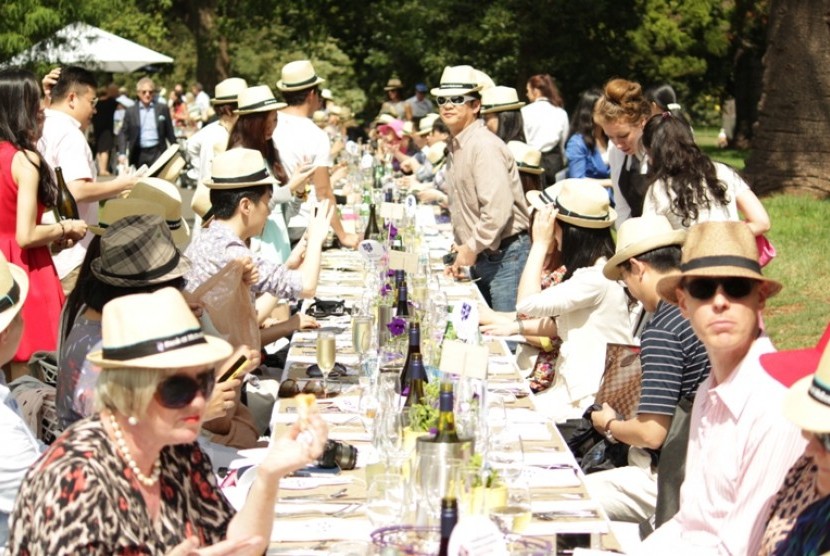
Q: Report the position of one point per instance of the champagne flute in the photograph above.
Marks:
(361, 336)
(386, 499)
(325, 357)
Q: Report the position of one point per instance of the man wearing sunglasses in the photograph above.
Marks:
(147, 127)
(487, 204)
(740, 448)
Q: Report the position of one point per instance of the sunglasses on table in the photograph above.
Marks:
(457, 101)
(705, 288)
(178, 391)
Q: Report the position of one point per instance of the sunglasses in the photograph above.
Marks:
(823, 439)
(705, 288)
(457, 101)
(178, 391)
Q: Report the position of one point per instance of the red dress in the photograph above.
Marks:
(41, 311)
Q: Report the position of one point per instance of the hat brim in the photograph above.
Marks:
(173, 169)
(667, 286)
(612, 270)
(268, 108)
(181, 235)
(210, 184)
(22, 279)
(536, 170)
(215, 349)
(805, 411)
(439, 92)
(537, 201)
(177, 272)
(162, 161)
(287, 88)
(502, 108)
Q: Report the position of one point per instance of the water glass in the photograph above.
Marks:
(386, 499)
(515, 515)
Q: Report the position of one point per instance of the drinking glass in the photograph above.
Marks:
(506, 455)
(515, 516)
(325, 357)
(386, 499)
(361, 336)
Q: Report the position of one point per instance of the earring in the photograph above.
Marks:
(133, 421)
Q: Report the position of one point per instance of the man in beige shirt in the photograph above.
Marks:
(486, 201)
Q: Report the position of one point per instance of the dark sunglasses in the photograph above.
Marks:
(823, 439)
(458, 101)
(178, 391)
(705, 288)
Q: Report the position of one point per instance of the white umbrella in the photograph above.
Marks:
(87, 46)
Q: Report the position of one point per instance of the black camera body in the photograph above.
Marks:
(338, 454)
(449, 258)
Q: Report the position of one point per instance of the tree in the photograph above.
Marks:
(791, 144)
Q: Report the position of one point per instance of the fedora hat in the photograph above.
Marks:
(14, 287)
(228, 90)
(720, 249)
(258, 98)
(136, 251)
(581, 202)
(167, 195)
(484, 80)
(297, 76)
(392, 84)
(163, 162)
(408, 128)
(499, 99)
(326, 94)
(807, 373)
(238, 168)
(118, 208)
(527, 158)
(641, 235)
(200, 203)
(426, 123)
(154, 330)
(457, 80)
(437, 152)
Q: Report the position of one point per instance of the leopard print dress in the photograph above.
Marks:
(81, 498)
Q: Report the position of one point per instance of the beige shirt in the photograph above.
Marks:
(487, 203)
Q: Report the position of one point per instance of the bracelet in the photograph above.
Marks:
(63, 231)
(607, 428)
(547, 344)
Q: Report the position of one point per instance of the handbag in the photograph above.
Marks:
(620, 386)
(544, 369)
(323, 308)
(671, 468)
(766, 251)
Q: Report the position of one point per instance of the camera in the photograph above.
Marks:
(449, 258)
(338, 454)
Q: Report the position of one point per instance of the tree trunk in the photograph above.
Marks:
(791, 143)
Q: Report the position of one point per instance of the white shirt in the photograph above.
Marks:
(545, 125)
(616, 159)
(63, 144)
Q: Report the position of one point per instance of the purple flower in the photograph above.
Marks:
(433, 431)
(396, 326)
(465, 311)
(385, 290)
(393, 231)
(390, 273)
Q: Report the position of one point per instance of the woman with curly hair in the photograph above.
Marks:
(687, 187)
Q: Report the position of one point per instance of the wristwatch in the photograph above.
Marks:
(607, 428)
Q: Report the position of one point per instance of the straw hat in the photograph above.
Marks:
(326, 94)
(116, 209)
(408, 128)
(319, 117)
(437, 152)
(581, 202)
(807, 373)
(527, 158)
(167, 195)
(385, 119)
(297, 76)
(228, 90)
(458, 80)
(721, 249)
(138, 251)
(393, 84)
(484, 80)
(14, 287)
(641, 235)
(171, 160)
(200, 203)
(258, 98)
(238, 168)
(157, 331)
(426, 123)
(499, 99)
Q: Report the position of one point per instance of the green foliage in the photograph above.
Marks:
(424, 416)
(492, 480)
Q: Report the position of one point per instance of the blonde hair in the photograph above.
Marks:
(622, 100)
(128, 390)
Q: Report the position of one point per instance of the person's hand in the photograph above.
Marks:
(465, 257)
(301, 321)
(295, 259)
(288, 452)
(500, 329)
(250, 272)
(49, 80)
(432, 195)
(190, 547)
(74, 230)
(195, 305)
(339, 172)
(222, 400)
(543, 226)
(300, 177)
(318, 227)
(349, 241)
(599, 418)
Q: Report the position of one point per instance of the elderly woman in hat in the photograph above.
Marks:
(132, 479)
(799, 521)
(574, 220)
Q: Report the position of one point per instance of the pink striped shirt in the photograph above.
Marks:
(740, 449)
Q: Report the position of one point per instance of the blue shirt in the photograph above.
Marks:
(148, 136)
(583, 163)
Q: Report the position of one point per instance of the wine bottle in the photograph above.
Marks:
(372, 230)
(417, 376)
(65, 208)
(449, 518)
(446, 417)
(414, 349)
(403, 301)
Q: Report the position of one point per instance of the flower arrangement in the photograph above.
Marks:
(396, 326)
(423, 417)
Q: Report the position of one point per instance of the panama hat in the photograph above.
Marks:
(299, 75)
(527, 158)
(408, 128)
(228, 90)
(14, 287)
(258, 98)
(807, 373)
(156, 331)
(238, 168)
(167, 195)
(168, 161)
(116, 209)
(457, 80)
(200, 203)
(137, 251)
(392, 84)
(581, 202)
(719, 249)
(484, 80)
(426, 124)
(437, 152)
(641, 235)
(499, 99)
(326, 94)
(319, 117)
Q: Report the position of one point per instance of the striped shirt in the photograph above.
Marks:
(674, 361)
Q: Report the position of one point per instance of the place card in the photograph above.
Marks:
(398, 260)
(393, 211)
(464, 359)
(371, 250)
(410, 205)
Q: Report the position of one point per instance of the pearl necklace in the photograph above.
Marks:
(128, 457)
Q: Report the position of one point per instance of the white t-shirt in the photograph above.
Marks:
(545, 125)
(63, 144)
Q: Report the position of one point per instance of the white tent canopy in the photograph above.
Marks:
(83, 45)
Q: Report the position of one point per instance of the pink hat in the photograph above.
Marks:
(395, 126)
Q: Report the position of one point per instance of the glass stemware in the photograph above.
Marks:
(325, 357)
(386, 499)
(361, 337)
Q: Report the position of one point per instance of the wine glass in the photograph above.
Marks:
(361, 336)
(506, 455)
(325, 357)
(515, 516)
(386, 499)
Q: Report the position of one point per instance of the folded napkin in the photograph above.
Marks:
(321, 529)
(545, 478)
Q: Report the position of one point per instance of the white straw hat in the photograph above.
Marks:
(581, 202)
(527, 158)
(299, 75)
(641, 235)
(258, 98)
(14, 287)
(227, 91)
(456, 81)
(118, 208)
(238, 168)
(167, 195)
(499, 99)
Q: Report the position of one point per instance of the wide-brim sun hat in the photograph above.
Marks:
(238, 168)
(166, 162)
(326, 94)
(298, 75)
(259, 98)
(14, 287)
(154, 331)
(393, 84)
(426, 124)
(395, 126)
(807, 373)
(499, 99)
(118, 208)
(718, 250)
(167, 195)
(138, 251)
(528, 159)
(437, 152)
(457, 81)
(641, 235)
(581, 202)
(227, 91)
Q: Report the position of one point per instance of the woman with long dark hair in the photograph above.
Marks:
(587, 147)
(687, 187)
(27, 188)
(500, 109)
(546, 123)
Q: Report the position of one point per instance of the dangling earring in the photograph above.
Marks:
(133, 421)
